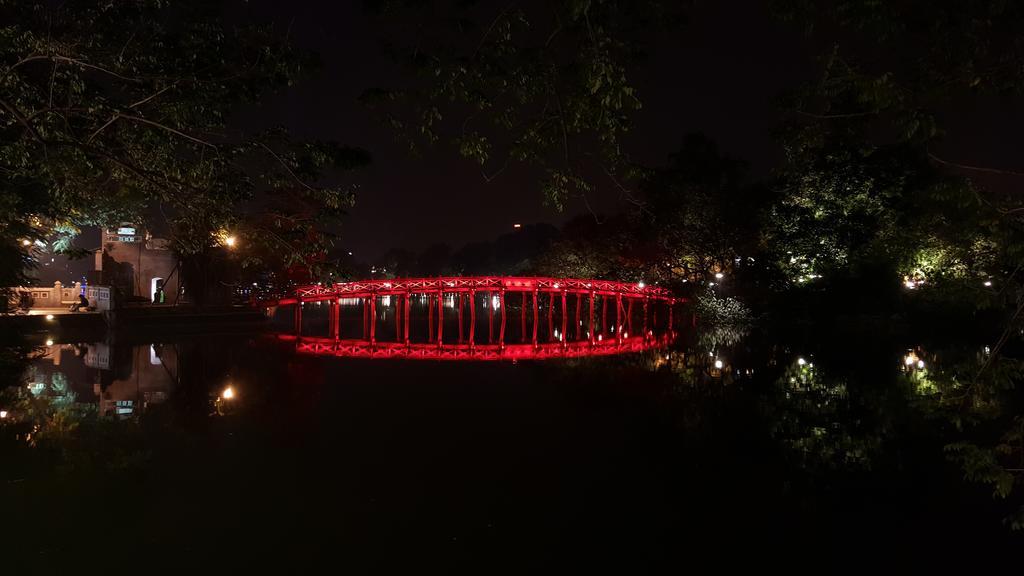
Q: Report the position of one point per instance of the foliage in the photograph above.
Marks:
(698, 214)
(544, 83)
(715, 309)
(861, 180)
(119, 111)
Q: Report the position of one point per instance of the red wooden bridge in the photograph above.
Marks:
(641, 317)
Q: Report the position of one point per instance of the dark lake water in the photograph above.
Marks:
(727, 447)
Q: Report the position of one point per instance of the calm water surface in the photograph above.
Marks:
(727, 447)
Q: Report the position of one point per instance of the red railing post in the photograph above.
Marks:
(535, 323)
(440, 317)
(590, 324)
(629, 316)
(645, 317)
(364, 317)
(472, 318)
(398, 317)
(501, 332)
(406, 323)
(335, 319)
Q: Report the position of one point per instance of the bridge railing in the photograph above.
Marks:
(458, 284)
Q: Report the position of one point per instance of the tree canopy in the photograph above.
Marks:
(120, 111)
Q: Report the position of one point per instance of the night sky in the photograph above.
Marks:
(722, 75)
(708, 79)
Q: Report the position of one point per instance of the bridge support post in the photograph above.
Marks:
(590, 323)
(536, 293)
(398, 318)
(366, 319)
(430, 318)
(335, 319)
(671, 305)
(629, 316)
(472, 318)
(298, 318)
(645, 318)
(373, 319)
(501, 332)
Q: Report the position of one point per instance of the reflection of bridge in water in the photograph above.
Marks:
(547, 318)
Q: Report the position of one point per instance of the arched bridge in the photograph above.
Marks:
(524, 317)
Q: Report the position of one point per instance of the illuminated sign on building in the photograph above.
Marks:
(123, 233)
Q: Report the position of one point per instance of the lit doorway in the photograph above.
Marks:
(153, 285)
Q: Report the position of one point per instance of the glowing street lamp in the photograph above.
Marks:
(3, 413)
(228, 393)
(26, 242)
(230, 241)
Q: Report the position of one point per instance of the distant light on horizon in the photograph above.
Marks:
(517, 225)
(988, 282)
